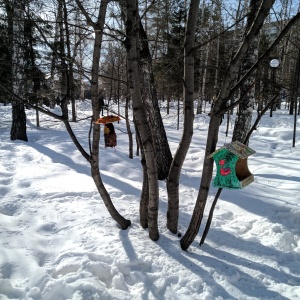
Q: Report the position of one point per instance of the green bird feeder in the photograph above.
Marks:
(232, 168)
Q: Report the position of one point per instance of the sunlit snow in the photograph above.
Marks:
(57, 240)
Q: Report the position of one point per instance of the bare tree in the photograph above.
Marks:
(149, 97)
(179, 157)
(93, 156)
(98, 27)
(132, 48)
(213, 130)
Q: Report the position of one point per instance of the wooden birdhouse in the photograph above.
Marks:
(232, 168)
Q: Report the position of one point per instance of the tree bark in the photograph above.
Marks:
(18, 127)
(130, 139)
(174, 175)
(202, 75)
(64, 82)
(131, 43)
(150, 100)
(144, 201)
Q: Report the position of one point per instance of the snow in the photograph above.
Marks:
(57, 240)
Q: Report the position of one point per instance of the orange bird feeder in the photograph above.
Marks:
(110, 137)
(107, 119)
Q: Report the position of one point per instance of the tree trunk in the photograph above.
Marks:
(18, 127)
(94, 160)
(144, 201)
(150, 100)
(64, 82)
(213, 129)
(174, 175)
(205, 65)
(132, 42)
(296, 96)
(201, 64)
(69, 72)
(130, 150)
(243, 120)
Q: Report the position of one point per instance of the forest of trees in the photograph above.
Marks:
(138, 53)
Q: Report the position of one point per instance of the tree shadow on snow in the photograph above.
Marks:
(228, 268)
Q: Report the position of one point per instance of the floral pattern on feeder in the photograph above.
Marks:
(231, 162)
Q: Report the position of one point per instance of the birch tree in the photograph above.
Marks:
(179, 157)
(213, 130)
(19, 98)
(93, 158)
(149, 97)
(147, 144)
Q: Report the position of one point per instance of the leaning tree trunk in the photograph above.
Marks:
(226, 94)
(213, 129)
(94, 159)
(18, 127)
(132, 42)
(174, 175)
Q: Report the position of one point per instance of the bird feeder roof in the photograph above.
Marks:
(107, 119)
(236, 148)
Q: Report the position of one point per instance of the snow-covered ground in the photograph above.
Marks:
(57, 241)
